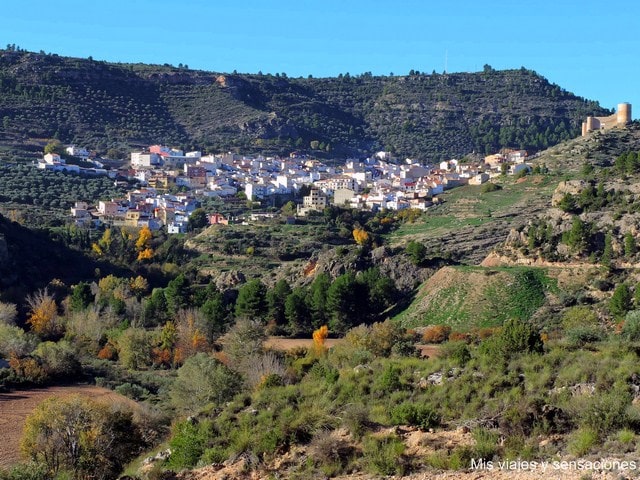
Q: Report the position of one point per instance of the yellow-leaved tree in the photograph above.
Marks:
(143, 244)
(43, 314)
(360, 236)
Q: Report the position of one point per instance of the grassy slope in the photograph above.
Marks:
(467, 227)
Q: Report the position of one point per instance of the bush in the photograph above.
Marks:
(456, 351)
(203, 380)
(188, 441)
(331, 452)
(132, 390)
(605, 413)
(490, 187)
(28, 471)
(417, 415)
(582, 441)
(384, 455)
(579, 337)
(388, 381)
(517, 337)
(436, 334)
(631, 327)
(356, 418)
(486, 446)
(620, 302)
(578, 317)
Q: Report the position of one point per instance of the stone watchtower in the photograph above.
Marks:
(619, 119)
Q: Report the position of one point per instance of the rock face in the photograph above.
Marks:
(229, 280)
(573, 187)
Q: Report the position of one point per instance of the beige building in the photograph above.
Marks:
(315, 201)
(618, 119)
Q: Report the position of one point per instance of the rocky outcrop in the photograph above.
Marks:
(229, 280)
(572, 187)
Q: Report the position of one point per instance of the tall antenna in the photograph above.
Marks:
(446, 60)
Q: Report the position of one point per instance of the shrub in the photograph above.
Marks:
(620, 302)
(457, 352)
(582, 441)
(331, 452)
(384, 455)
(578, 317)
(28, 471)
(214, 455)
(188, 441)
(356, 419)
(418, 415)
(579, 337)
(631, 327)
(132, 390)
(486, 445)
(626, 436)
(388, 381)
(436, 333)
(489, 187)
(202, 380)
(324, 372)
(606, 412)
(518, 336)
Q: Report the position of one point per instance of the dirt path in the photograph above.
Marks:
(16, 405)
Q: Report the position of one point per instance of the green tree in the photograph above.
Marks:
(134, 348)
(416, 251)
(252, 301)
(344, 303)
(54, 146)
(620, 302)
(318, 300)
(198, 219)
(577, 237)
(630, 247)
(203, 380)
(297, 313)
(177, 294)
(215, 313)
(155, 310)
(81, 297)
(276, 298)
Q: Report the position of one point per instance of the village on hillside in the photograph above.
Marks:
(169, 183)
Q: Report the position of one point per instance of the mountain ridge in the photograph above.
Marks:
(426, 116)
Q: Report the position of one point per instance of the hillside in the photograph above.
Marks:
(556, 226)
(426, 116)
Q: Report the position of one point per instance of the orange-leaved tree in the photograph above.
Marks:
(319, 337)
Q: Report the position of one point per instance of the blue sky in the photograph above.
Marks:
(588, 47)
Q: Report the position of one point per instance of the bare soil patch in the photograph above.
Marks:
(284, 344)
(17, 405)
